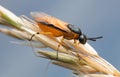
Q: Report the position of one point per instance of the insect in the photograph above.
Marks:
(58, 28)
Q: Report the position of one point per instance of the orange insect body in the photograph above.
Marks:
(66, 33)
(59, 28)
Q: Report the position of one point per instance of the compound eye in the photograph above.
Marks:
(83, 39)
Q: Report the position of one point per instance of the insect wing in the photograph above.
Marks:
(43, 17)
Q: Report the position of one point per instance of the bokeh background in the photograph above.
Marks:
(94, 17)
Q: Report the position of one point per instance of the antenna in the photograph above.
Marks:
(94, 38)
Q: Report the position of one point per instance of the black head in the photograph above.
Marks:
(82, 37)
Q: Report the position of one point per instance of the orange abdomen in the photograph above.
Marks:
(54, 31)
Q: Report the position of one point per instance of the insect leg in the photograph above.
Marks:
(45, 33)
(33, 36)
(76, 47)
(76, 43)
(60, 43)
